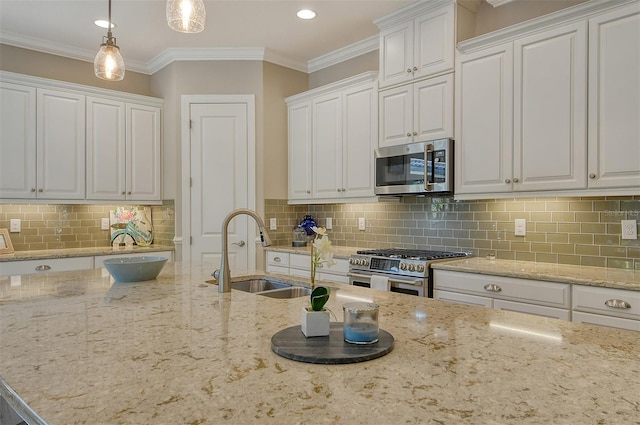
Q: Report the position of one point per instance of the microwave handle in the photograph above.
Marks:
(428, 149)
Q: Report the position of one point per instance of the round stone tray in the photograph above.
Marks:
(292, 344)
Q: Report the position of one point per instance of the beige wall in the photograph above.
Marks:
(348, 68)
(44, 65)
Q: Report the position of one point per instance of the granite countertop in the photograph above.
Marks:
(80, 252)
(338, 251)
(77, 348)
(580, 275)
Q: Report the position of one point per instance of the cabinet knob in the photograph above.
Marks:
(592, 176)
(492, 287)
(408, 70)
(40, 190)
(515, 180)
(507, 181)
(338, 189)
(613, 303)
(308, 191)
(33, 189)
(343, 190)
(415, 133)
(123, 193)
(415, 69)
(409, 134)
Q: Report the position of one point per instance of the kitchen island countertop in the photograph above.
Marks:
(77, 348)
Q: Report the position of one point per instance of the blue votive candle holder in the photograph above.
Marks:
(361, 323)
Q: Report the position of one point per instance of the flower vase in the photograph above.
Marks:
(314, 323)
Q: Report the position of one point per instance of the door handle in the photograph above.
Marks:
(240, 244)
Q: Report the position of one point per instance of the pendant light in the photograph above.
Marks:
(108, 63)
(186, 15)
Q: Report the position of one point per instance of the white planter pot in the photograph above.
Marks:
(315, 323)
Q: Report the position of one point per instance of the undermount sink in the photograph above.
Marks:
(269, 288)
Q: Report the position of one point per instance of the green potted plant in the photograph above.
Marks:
(315, 319)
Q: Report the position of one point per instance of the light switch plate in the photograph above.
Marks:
(521, 227)
(329, 223)
(14, 225)
(104, 223)
(629, 229)
(361, 224)
(273, 223)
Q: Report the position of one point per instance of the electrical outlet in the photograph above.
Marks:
(14, 225)
(273, 223)
(361, 224)
(329, 223)
(629, 229)
(521, 227)
(104, 224)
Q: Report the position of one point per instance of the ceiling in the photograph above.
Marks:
(233, 27)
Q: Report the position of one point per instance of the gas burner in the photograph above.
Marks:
(412, 254)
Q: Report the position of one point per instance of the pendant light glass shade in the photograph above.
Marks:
(108, 63)
(186, 15)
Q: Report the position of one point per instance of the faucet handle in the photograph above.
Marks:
(216, 274)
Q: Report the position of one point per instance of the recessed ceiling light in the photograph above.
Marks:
(306, 14)
(104, 24)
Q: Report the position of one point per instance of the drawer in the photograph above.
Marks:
(612, 322)
(537, 310)
(10, 268)
(456, 297)
(300, 261)
(99, 259)
(275, 258)
(607, 301)
(341, 267)
(333, 277)
(540, 292)
(277, 269)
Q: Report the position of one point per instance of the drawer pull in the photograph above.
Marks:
(613, 303)
(277, 259)
(492, 287)
(43, 268)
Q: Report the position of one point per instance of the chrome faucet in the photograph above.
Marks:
(223, 274)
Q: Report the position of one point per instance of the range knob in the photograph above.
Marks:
(412, 267)
(365, 263)
(420, 268)
(403, 266)
(351, 261)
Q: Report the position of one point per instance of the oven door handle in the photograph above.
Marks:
(415, 282)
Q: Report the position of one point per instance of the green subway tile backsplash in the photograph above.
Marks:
(579, 230)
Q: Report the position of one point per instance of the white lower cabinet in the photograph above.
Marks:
(616, 308)
(548, 299)
(299, 265)
(12, 268)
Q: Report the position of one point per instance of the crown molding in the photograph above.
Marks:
(345, 53)
(496, 3)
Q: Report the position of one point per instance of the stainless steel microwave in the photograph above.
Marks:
(415, 169)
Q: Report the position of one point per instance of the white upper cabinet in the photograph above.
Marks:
(614, 98)
(550, 114)
(521, 111)
(123, 151)
(17, 141)
(60, 145)
(416, 42)
(300, 150)
(332, 136)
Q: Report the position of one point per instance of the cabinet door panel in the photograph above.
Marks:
(396, 47)
(612, 322)
(300, 151)
(327, 146)
(614, 99)
(60, 145)
(360, 139)
(484, 121)
(17, 141)
(433, 110)
(143, 153)
(434, 42)
(550, 110)
(396, 116)
(105, 149)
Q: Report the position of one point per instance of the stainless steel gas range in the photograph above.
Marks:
(407, 270)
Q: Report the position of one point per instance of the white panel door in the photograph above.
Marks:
(395, 116)
(220, 183)
(614, 98)
(105, 149)
(327, 146)
(434, 43)
(396, 54)
(17, 141)
(143, 153)
(360, 139)
(433, 110)
(484, 121)
(550, 110)
(300, 151)
(60, 148)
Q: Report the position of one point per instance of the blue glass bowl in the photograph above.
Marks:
(134, 269)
